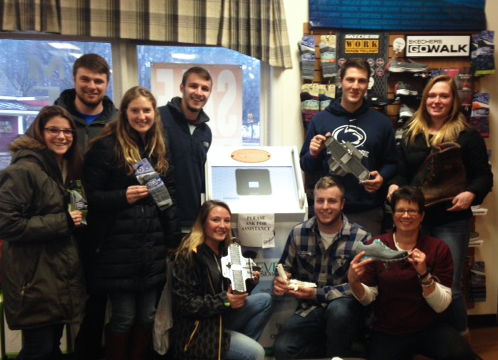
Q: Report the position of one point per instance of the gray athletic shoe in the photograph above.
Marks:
(412, 66)
(378, 251)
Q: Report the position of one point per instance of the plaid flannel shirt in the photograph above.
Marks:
(306, 258)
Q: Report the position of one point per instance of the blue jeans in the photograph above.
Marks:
(246, 325)
(242, 347)
(324, 332)
(41, 343)
(132, 308)
(251, 319)
(456, 235)
(441, 342)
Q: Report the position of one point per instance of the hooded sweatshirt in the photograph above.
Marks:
(85, 131)
(371, 133)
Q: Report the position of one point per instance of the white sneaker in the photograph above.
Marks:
(404, 89)
(405, 111)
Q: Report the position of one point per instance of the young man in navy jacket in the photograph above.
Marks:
(189, 138)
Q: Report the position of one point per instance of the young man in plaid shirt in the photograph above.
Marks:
(328, 318)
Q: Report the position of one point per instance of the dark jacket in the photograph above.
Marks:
(188, 154)
(43, 281)
(371, 133)
(86, 132)
(131, 241)
(478, 171)
(199, 297)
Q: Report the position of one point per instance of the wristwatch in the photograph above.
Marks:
(427, 280)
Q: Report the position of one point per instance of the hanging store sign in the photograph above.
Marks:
(398, 15)
(361, 43)
(437, 46)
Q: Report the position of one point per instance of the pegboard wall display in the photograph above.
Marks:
(397, 81)
(372, 47)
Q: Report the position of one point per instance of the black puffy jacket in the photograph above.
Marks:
(42, 276)
(130, 241)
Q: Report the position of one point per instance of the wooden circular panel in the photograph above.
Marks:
(251, 155)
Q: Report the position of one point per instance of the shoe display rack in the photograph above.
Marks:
(406, 78)
(479, 276)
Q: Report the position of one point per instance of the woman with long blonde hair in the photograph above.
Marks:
(443, 125)
(210, 320)
(132, 233)
(197, 237)
(438, 122)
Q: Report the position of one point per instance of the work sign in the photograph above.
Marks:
(361, 43)
(437, 46)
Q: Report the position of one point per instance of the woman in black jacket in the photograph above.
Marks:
(131, 228)
(42, 278)
(210, 321)
(437, 122)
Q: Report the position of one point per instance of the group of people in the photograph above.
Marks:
(417, 304)
(63, 266)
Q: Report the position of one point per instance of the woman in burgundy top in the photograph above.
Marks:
(409, 297)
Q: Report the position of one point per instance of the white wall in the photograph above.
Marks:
(284, 117)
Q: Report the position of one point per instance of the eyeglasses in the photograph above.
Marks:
(410, 212)
(56, 131)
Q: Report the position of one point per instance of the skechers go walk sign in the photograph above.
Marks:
(437, 46)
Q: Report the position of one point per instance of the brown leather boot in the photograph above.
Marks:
(116, 345)
(141, 340)
(442, 174)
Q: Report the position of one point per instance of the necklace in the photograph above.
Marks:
(398, 246)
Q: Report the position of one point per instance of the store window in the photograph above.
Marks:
(157, 66)
(32, 75)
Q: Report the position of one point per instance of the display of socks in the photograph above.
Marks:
(315, 98)
(482, 45)
(328, 56)
(479, 115)
(308, 57)
(327, 94)
(310, 101)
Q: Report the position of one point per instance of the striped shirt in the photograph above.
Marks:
(306, 258)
